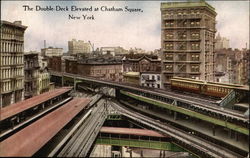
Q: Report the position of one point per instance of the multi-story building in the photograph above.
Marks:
(150, 79)
(55, 63)
(50, 51)
(114, 51)
(141, 63)
(187, 40)
(78, 47)
(221, 43)
(42, 61)
(106, 70)
(31, 73)
(11, 62)
(44, 81)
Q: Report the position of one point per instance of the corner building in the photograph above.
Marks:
(11, 63)
(187, 40)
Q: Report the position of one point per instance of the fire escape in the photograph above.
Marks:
(182, 44)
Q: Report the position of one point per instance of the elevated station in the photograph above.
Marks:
(30, 139)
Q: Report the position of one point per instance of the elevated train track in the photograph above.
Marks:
(193, 103)
(194, 144)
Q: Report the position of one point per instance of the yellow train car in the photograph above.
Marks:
(207, 88)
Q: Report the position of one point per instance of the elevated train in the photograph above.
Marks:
(214, 89)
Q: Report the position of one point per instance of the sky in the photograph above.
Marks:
(110, 28)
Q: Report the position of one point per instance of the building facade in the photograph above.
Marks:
(221, 42)
(42, 61)
(141, 63)
(187, 40)
(78, 47)
(31, 74)
(105, 71)
(55, 63)
(44, 81)
(11, 62)
(50, 51)
(150, 79)
(114, 51)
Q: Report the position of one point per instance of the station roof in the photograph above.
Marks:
(131, 131)
(29, 140)
(18, 107)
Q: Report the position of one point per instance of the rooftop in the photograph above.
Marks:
(17, 24)
(188, 4)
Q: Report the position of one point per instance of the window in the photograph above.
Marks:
(195, 46)
(195, 68)
(195, 23)
(153, 77)
(158, 77)
(195, 35)
(195, 57)
(169, 23)
(169, 67)
(145, 77)
(169, 36)
(158, 85)
(169, 56)
(170, 46)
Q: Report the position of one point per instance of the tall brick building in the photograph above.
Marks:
(11, 62)
(187, 40)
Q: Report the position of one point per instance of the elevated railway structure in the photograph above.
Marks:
(20, 114)
(29, 140)
(81, 141)
(192, 143)
(192, 106)
(135, 137)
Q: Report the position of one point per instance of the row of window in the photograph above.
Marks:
(183, 12)
(11, 47)
(182, 68)
(151, 77)
(182, 57)
(183, 35)
(11, 36)
(12, 31)
(11, 73)
(151, 85)
(11, 60)
(11, 85)
(182, 46)
(183, 84)
(30, 64)
(192, 23)
(218, 89)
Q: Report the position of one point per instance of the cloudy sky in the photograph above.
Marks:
(129, 30)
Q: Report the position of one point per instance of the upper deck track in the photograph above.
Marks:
(194, 101)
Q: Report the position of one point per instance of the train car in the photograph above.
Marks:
(214, 89)
(189, 85)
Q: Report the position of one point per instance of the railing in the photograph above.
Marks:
(229, 98)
